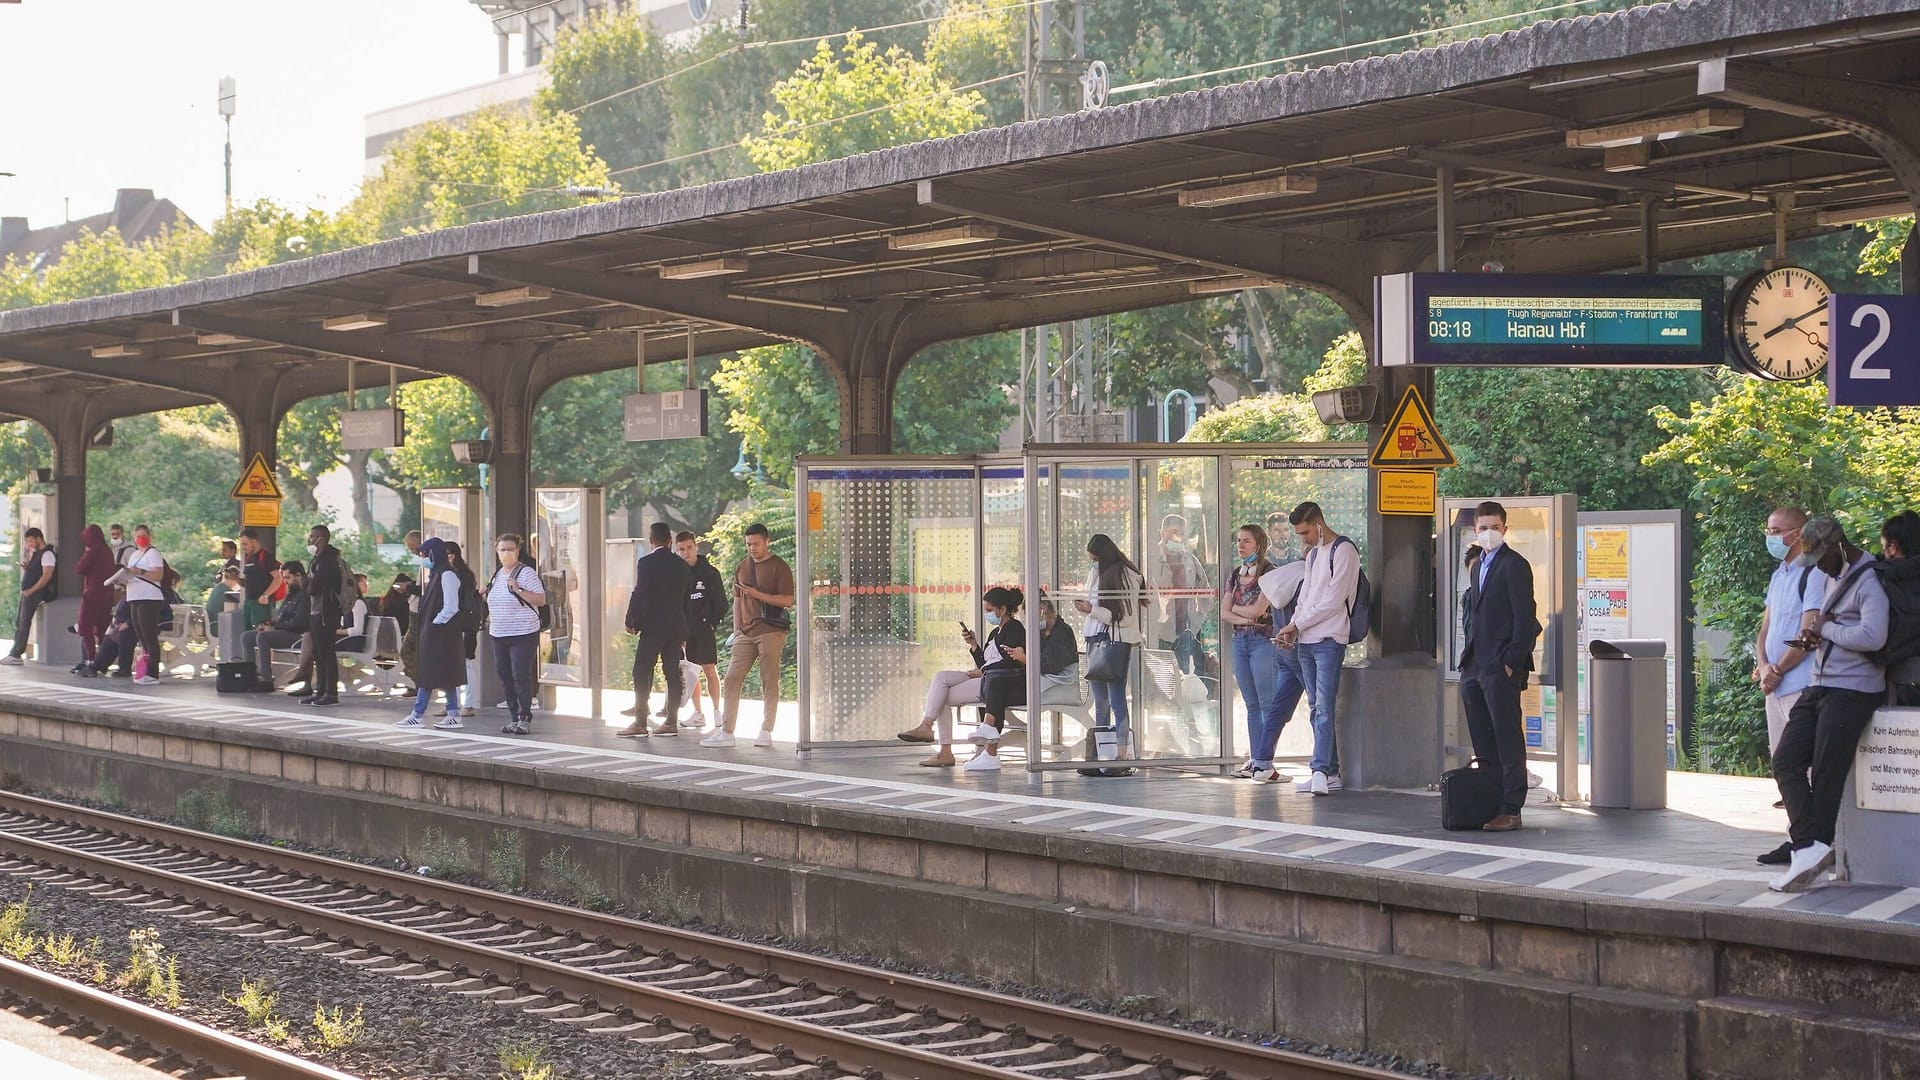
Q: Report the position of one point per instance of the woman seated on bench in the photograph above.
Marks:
(1059, 659)
(1003, 675)
(954, 689)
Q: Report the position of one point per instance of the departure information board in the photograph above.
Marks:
(1602, 320)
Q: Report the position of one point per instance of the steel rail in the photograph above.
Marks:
(1185, 1051)
(144, 1024)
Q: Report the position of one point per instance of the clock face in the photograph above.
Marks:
(1778, 323)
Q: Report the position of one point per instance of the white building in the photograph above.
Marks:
(525, 31)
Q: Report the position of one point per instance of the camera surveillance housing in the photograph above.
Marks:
(1347, 405)
(472, 451)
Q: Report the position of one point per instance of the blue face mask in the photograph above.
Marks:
(1776, 546)
(1249, 560)
(993, 619)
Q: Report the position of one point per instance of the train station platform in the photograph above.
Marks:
(1335, 920)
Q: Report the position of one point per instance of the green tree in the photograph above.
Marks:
(954, 398)
(497, 163)
(1881, 256)
(607, 72)
(1290, 417)
(861, 99)
(1252, 340)
(783, 403)
(439, 413)
(979, 41)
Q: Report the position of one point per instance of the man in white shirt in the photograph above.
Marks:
(1322, 621)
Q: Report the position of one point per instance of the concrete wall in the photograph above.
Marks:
(1511, 983)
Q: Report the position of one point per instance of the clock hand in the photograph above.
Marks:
(1791, 323)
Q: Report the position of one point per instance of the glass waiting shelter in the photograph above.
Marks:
(895, 553)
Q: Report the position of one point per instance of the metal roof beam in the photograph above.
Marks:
(636, 290)
(457, 359)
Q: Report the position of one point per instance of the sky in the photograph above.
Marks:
(97, 95)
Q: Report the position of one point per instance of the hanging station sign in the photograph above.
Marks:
(1544, 320)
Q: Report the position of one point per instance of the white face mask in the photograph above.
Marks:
(1490, 539)
(313, 549)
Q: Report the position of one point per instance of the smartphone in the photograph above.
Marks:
(963, 628)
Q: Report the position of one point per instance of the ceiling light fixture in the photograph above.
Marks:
(1272, 187)
(1629, 158)
(112, 352)
(217, 339)
(952, 236)
(1626, 133)
(1217, 286)
(705, 268)
(522, 294)
(362, 321)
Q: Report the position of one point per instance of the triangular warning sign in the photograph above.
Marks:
(1412, 439)
(257, 482)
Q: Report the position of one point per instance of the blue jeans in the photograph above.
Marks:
(1320, 671)
(425, 698)
(1277, 708)
(1255, 667)
(1110, 701)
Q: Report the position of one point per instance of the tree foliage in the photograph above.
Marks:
(859, 99)
(606, 71)
(1290, 417)
(497, 163)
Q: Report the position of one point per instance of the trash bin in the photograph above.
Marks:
(1627, 683)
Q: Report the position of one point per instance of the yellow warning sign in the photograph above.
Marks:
(260, 513)
(1412, 439)
(1405, 491)
(816, 511)
(257, 482)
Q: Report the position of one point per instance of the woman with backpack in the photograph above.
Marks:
(440, 640)
(516, 599)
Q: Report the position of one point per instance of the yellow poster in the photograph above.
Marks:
(1607, 553)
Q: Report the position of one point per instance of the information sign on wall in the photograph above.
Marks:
(1597, 320)
(1886, 766)
(676, 414)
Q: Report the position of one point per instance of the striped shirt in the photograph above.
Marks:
(507, 614)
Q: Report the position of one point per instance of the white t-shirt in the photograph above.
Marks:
(507, 614)
(149, 560)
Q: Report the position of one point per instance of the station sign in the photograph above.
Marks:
(675, 414)
(1547, 320)
(1875, 356)
(372, 429)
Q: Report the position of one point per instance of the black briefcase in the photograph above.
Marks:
(1469, 797)
(236, 677)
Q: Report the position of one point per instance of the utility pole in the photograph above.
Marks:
(226, 113)
(1059, 80)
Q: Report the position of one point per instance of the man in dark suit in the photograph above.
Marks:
(658, 613)
(1501, 631)
(325, 576)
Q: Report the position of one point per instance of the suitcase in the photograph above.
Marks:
(236, 677)
(1469, 797)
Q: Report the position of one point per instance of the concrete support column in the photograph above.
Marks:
(509, 393)
(257, 409)
(70, 431)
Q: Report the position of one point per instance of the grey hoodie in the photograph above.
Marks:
(1857, 625)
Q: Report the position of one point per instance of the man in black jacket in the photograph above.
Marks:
(706, 606)
(1501, 630)
(658, 613)
(323, 608)
(288, 626)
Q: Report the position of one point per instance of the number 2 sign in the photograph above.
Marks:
(1875, 359)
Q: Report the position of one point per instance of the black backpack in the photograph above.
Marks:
(1901, 580)
(545, 611)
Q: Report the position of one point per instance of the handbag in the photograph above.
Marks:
(1102, 744)
(1469, 797)
(772, 616)
(1108, 660)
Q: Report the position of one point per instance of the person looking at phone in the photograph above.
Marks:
(948, 690)
(1816, 747)
(763, 597)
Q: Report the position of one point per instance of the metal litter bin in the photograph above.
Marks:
(1627, 682)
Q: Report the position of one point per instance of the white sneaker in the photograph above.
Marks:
(1534, 779)
(1268, 776)
(411, 720)
(146, 680)
(1333, 784)
(697, 721)
(717, 740)
(1807, 865)
(10, 660)
(763, 740)
(448, 723)
(985, 733)
(499, 704)
(1244, 772)
(982, 762)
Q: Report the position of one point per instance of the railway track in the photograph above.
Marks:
(761, 1010)
(200, 1050)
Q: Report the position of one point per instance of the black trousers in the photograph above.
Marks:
(665, 651)
(1491, 703)
(23, 622)
(998, 690)
(326, 658)
(513, 658)
(1816, 754)
(146, 617)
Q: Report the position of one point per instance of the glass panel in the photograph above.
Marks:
(560, 548)
(443, 514)
(1081, 500)
(1529, 532)
(893, 572)
(1181, 669)
(617, 646)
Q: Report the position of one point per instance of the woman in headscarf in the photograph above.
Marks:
(96, 565)
(440, 661)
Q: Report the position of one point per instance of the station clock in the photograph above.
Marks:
(1777, 323)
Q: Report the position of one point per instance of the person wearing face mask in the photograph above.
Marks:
(1899, 570)
(1502, 627)
(1816, 748)
(1779, 667)
(325, 578)
(1177, 609)
(1002, 663)
(147, 599)
(515, 596)
(1317, 634)
(1257, 664)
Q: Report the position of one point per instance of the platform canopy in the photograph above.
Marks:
(1713, 120)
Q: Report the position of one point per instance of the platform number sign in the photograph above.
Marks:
(1876, 351)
